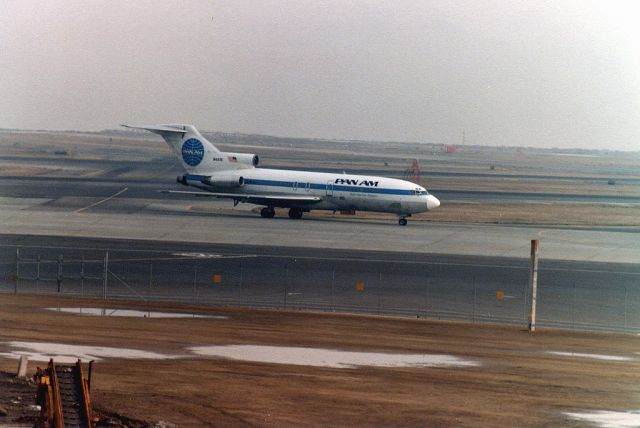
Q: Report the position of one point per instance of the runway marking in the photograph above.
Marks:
(102, 201)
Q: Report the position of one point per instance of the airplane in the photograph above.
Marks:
(236, 176)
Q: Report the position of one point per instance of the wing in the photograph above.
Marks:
(285, 200)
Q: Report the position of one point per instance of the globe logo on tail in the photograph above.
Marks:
(192, 152)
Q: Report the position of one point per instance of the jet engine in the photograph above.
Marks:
(224, 180)
(247, 159)
(219, 180)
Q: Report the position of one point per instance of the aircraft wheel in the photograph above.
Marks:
(402, 221)
(295, 213)
(267, 212)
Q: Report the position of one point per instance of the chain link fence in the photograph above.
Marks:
(567, 297)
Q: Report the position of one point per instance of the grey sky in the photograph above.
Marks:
(531, 73)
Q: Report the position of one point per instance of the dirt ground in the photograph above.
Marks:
(518, 383)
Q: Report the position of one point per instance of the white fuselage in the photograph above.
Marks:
(336, 191)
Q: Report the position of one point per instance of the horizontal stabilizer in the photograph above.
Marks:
(159, 129)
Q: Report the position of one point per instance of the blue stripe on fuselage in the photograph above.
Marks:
(303, 185)
(337, 188)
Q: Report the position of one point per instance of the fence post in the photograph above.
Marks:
(573, 306)
(59, 277)
(379, 288)
(82, 276)
(474, 298)
(195, 277)
(426, 296)
(240, 284)
(286, 285)
(333, 280)
(37, 273)
(625, 307)
(105, 274)
(534, 284)
(150, 279)
(17, 278)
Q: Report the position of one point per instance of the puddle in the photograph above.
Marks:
(592, 356)
(107, 312)
(608, 419)
(60, 352)
(329, 357)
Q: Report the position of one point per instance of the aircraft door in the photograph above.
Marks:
(330, 188)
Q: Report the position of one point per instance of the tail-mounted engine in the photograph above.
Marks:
(244, 159)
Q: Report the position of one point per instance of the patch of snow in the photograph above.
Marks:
(43, 351)
(608, 419)
(592, 356)
(198, 255)
(107, 312)
(329, 357)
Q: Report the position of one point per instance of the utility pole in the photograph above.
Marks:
(533, 282)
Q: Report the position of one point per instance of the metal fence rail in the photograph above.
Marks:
(600, 300)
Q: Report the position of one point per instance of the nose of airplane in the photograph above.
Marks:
(432, 202)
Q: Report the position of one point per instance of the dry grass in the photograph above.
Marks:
(518, 384)
(530, 185)
(552, 213)
(25, 170)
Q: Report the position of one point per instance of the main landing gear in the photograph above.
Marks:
(402, 221)
(295, 213)
(267, 212)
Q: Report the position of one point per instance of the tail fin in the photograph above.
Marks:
(196, 154)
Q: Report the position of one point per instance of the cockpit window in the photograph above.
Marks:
(420, 192)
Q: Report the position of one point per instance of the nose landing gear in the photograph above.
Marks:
(402, 221)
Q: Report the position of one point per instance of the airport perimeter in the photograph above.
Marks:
(574, 295)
